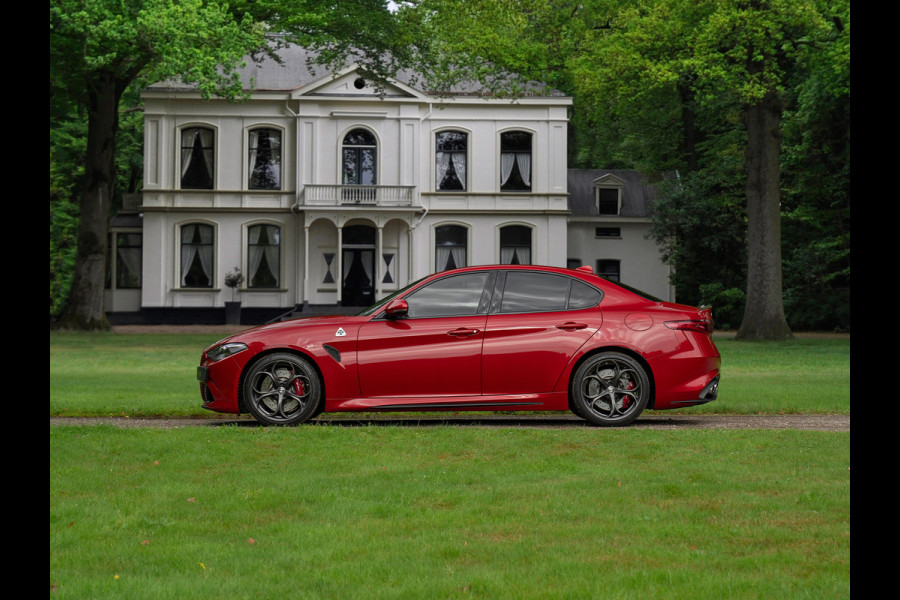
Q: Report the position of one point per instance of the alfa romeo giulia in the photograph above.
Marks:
(500, 338)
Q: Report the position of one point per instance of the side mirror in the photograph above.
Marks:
(396, 309)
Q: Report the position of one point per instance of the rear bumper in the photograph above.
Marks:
(707, 394)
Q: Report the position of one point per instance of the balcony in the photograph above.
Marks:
(358, 195)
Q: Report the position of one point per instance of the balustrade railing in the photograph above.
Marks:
(366, 195)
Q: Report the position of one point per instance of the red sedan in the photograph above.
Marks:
(479, 338)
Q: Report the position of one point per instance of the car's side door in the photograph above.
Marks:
(537, 321)
(436, 349)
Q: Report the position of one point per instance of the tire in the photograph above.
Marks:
(282, 389)
(610, 389)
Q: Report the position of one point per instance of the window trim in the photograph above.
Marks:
(178, 155)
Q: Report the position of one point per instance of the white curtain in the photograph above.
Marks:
(507, 160)
(367, 257)
(188, 139)
(190, 250)
(443, 254)
(131, 257)
(521, 255)
(524, 162)
(206, 140)
(459, 163)
(442, 165)
(254, 137)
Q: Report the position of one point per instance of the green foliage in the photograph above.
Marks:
(727, 304)
(661, 87)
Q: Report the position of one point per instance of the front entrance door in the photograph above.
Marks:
(358, 261)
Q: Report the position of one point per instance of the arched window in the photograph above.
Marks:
(265, 159)
(451, 149)
(450, 243)
(197, 158)
(360, 153)
(515, 245)
(197, 255)
(263, 256)
(515, 161)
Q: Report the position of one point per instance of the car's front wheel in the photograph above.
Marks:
(282, 389)
(610, 389)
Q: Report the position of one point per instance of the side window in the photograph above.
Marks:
(515, 245)
(583, 296)
(457, 295)
(515, 161)
(545, 292)
(196, 255)
(450, 160)
(197, 158)
(450, 247)
(264, 256)
(609, 268)
(265, 159)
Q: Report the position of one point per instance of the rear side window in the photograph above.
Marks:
(544, 292)
(457, 295)
(583, 296)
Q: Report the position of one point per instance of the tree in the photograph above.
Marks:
(654, 69)
(98, 48)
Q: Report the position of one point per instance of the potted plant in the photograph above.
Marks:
(234, 279)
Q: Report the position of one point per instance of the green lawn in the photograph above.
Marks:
(333, 510)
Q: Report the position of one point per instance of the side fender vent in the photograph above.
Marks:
(332, 352)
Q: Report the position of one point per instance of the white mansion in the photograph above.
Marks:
(327, 192)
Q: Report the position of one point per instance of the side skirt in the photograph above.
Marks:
(546, 401)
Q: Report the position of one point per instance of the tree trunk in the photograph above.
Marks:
(84, 306)
(764, 312)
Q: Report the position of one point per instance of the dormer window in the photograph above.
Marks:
(608, 200)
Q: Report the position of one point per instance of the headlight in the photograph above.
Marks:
(225, 350)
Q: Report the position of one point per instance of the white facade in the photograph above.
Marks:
(383, 229)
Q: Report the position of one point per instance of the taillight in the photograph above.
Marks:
(701, 326)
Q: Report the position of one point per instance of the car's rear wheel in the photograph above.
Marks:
(282, 389)
(610, 389)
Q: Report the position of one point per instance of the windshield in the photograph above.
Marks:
(378, 305)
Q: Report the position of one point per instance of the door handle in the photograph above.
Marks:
(462, 331)
(572, 326)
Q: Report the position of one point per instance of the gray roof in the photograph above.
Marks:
(637, 194)
(297, 69)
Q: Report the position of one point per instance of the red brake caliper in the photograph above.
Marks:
(626, 400)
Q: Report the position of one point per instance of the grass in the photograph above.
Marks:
(332, 511)
(154, 374)
(335, 510)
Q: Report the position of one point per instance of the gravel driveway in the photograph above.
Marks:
(671, 422)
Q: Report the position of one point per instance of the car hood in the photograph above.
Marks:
(291, 325)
